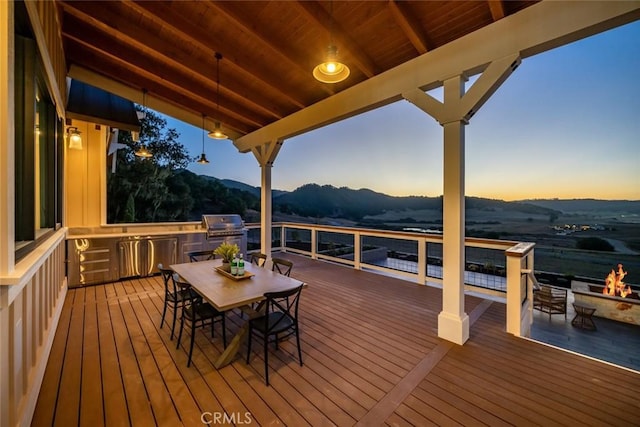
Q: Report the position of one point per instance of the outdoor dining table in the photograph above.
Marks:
(226, 293)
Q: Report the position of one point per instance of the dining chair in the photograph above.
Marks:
(279, 321)
(259, 259)
(282, 266)
(199, 313)
(196, 256)
(175, 296)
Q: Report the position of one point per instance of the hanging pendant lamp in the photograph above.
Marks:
(217, 132)
(331, 70)
(203, 157)
(142, 152)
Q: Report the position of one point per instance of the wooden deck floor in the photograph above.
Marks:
(371, 357)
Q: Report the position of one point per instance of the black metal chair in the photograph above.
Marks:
(199, 313)
(279, 321)
(282, 266)
(258, 259)
(196, 256)
(175, 296)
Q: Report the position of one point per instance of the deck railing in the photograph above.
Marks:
(492, 267)
(31, 300)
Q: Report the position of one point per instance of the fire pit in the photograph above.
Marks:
(615, 300)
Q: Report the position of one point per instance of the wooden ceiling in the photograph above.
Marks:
(269, 48)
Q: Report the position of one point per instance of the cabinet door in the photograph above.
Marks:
(160, 251)
(129, 254)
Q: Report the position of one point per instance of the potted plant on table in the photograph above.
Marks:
(226, 251)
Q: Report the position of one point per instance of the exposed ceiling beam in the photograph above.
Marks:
(497, 9)
(158, 104)
(172, 22)
(318, 15)
(132, 35)
(520, 33)
(294, 59)
(409, 26)
(164, 78)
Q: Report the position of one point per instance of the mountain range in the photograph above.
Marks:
(313, 200)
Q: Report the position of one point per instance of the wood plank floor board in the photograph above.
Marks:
(115, 404)
(374, 364)
(325, 399)
(394, 359)
(343, 376)
(91, 398)
(177, 390)
(47, 399)
(355, 361)
(164, 410)
(421, 414)
(384, 334)
(570, 373)
(138, 403)
(459, 387)
(396, 420)
(455, 406)
(68, 405)
(549, 401)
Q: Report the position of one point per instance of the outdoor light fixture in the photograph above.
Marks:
(142, 152)
(75, 140)
(203, 157)
(217, 133)
(331, 70)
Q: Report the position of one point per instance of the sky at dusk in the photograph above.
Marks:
(565, 124)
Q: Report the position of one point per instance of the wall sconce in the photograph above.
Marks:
(75, 140)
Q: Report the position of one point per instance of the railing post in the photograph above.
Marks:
(283, 239)
(357, 251)
(519, 299)
(422, 261)
(314, 243)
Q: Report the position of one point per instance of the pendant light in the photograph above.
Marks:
(217, 133)
(331, 70)
(203, 157)
(142, 152)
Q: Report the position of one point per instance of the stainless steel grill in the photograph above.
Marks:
(223, 225)
(225, 228)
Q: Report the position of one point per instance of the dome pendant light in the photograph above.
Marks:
(331, 70)
(217, 132)
(142, 152)
(203, 157)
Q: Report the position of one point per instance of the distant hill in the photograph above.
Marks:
(588, 206)
(313, 200)
(327, 201)
(229, 183)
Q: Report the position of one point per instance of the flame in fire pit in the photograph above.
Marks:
(614, 285)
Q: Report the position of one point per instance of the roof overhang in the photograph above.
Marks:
(91, 104)
(539, 28)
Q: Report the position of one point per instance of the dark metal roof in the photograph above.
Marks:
(89, 103)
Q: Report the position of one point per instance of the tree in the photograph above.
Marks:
(143, 190)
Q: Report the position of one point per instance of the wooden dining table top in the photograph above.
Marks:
(225, 293)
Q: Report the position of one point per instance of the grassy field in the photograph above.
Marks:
(554, 252)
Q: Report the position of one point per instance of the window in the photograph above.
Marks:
(38, 146)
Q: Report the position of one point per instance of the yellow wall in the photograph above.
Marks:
(84, 177)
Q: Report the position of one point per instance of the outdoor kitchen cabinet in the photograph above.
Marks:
(140, 255)
(92, 261)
